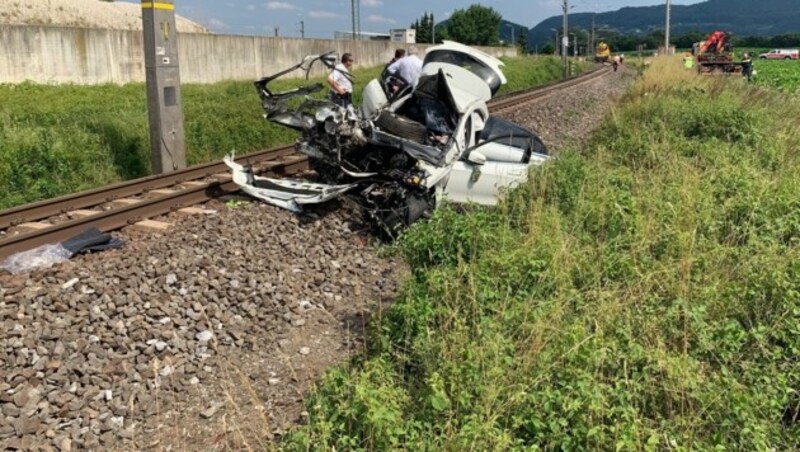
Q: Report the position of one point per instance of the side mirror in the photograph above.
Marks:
(476, 157)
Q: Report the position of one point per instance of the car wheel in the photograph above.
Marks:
(787, 58)
(401, 127)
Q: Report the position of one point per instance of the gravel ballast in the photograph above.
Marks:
(253, 289)
(567, 119)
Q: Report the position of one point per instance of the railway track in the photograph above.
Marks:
(504, 103)
(116, 206)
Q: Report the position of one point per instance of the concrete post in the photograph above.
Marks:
(667, 28)
(565, 40)
(167, 142)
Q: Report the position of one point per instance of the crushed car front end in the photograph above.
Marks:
(401, 152)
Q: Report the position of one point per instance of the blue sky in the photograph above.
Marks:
(323, 17)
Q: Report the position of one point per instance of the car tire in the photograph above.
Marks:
(787, 58)
(401, 127)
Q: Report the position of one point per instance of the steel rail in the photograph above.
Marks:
(505, 103)
(146, 208)
(580, 77)
(56, 206)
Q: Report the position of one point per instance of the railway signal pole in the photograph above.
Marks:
(355, 6)
(167, 141)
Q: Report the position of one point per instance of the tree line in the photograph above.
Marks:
(476, 25)
(686, 40)
(481, 26)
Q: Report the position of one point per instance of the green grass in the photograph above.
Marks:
(784, 75)
(56, 140)
(641, 295)
(525, 72)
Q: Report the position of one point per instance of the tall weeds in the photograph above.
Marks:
(644, 294)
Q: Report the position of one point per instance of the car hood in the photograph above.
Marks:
(461, 86)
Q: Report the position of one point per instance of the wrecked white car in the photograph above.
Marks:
(401, 152)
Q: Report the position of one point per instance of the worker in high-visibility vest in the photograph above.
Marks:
(688, 61)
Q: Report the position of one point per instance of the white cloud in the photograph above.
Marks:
(380, 19)
(372, 2)
(216, 24)
(251, 7)
(280, 5)
(324, 15)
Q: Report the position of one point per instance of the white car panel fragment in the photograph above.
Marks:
(285, 193)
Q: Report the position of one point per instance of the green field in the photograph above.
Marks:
(643, 294)
(56, 140)
(781, 74)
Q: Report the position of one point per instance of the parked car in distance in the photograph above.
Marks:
(781, 54)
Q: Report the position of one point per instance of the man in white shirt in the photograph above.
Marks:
(341, 82)
(408, 68)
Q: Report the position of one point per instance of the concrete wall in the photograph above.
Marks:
(94, 56)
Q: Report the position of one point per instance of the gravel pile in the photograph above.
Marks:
(97, 350)
(83, 13)
(568, 118)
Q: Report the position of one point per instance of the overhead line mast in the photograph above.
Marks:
(355, 6)
(565, 42)
(666, 34)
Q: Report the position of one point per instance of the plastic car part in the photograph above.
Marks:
(89, 241)
(285, 193)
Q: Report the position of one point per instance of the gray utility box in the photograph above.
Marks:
(167, 142)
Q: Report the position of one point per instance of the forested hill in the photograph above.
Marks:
(741, 17)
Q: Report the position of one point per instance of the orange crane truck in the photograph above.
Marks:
(715, 55)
